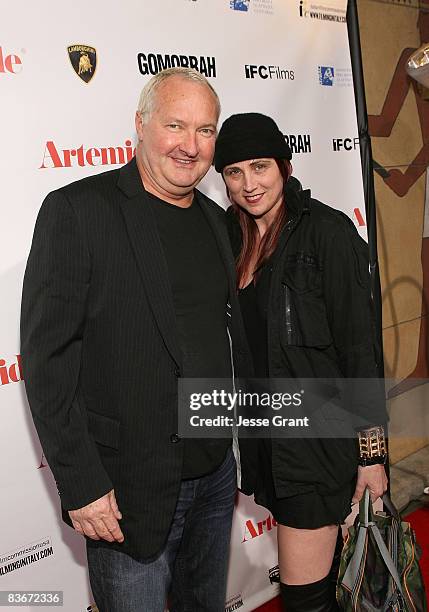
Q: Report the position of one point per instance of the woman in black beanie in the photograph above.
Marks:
(302, 277)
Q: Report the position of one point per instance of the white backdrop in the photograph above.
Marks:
(286, 58)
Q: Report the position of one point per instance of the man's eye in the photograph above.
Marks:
(260, 167)
(207, 131)
(232, 172)
(174, 126)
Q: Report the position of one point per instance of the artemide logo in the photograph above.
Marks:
(253, 530)
(10, 63)
(55, 156)
(10, 370)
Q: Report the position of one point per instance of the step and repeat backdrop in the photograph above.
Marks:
(70, 78)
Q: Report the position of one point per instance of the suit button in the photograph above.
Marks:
(177, 372)
(174, 438)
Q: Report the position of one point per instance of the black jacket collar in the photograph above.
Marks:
(297, 199)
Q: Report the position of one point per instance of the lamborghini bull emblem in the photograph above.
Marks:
(84, 61)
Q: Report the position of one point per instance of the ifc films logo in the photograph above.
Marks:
(326, 75)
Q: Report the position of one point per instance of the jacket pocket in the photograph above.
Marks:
(304, 318)
(104, 429)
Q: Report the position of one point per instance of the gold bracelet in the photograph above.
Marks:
(372, 443)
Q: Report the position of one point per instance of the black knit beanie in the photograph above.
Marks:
(249, 136)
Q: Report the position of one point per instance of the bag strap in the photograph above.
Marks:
(351, 574)
(391, 507)
(366, 514)
(386, 557)
(365, 509)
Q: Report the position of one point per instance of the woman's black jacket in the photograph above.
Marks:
(320, 325)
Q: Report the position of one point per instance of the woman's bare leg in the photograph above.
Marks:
(305, 555)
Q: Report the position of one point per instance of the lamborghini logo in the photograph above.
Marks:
(84, 61)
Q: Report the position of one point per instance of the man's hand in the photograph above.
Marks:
(99, 519)
(371, 476)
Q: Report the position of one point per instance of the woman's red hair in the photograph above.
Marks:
(250, 235)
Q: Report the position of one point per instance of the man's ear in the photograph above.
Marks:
(139, 125)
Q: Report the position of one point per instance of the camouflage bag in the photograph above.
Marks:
(379, 570)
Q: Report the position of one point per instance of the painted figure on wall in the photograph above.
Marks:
(401, 181)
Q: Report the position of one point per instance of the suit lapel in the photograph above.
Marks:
(239, 342)
(222, 238)
(144, 237)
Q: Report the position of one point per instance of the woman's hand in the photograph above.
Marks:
(371, 476)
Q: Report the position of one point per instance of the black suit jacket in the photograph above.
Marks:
(100, 350)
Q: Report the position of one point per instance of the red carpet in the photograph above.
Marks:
(420, 523)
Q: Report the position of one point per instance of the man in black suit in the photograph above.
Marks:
(127, 288)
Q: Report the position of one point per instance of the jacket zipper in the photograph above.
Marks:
(289, 226)
(288, 317)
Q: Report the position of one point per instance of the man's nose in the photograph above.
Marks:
(189, 144)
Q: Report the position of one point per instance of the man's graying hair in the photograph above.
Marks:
(148, 95)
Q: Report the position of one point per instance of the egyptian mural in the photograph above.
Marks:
(398, 119)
